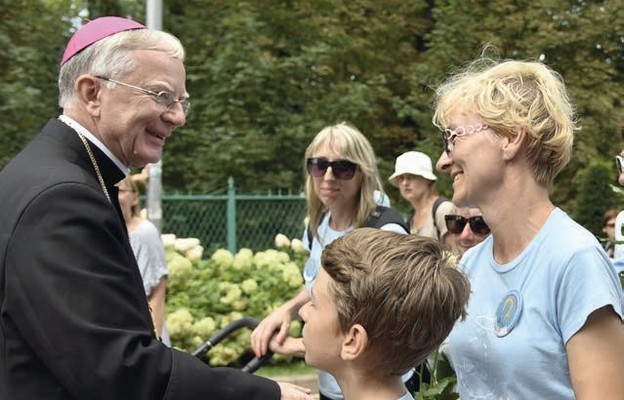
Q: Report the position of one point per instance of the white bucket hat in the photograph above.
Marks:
(414, 163)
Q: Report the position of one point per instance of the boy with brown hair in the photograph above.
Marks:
(381, 303)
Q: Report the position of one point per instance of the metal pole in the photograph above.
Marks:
(153, 17)
(231, 216)
(153, 14)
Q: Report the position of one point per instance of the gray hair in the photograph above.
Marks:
(112, 57)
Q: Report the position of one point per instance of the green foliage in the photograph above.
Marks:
(595, 196)
(272, 74)
(204, 296)
(578, 39)
(442, 381)
(265, 76)
(31, 44)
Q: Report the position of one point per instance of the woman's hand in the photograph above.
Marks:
(275, 327)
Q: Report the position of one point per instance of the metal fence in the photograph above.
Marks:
(234, 221)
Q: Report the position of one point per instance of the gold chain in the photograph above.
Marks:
(95, 165)
(103, 186)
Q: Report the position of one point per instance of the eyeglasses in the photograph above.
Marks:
(449, 135)
(619, 162)
(342, 169)
(162, 98)
(456, 223)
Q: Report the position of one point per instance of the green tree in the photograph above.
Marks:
(31, 44)
(595, 196)
(582, 40)
(266, 75)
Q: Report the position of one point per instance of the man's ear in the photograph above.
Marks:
(514, 144)
(354, 343)
(88, 89)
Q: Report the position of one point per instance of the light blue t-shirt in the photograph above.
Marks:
(618, 263)
(535, 303)
(326, 382)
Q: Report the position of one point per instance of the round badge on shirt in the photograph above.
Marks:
(508, 313)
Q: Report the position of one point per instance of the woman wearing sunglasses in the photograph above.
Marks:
(545, 313)
(341, 178)
(467, 227)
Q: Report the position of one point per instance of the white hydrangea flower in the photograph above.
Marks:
(222, 257)
(184, 244)
(262, 260)
(232, 292)
(297, 245)
(195, 253)
(281, 240)
(179, 266)
(168, 239)
(270, 258)
(240, 305)
(249, 286)
(243, 260)
(179, 322)
(205, 327)
(292, 275)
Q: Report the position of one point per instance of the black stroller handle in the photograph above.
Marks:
(253, 365)
(245, 322)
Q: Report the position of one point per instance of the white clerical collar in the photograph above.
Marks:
(81, 129)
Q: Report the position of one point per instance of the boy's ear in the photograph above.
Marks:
(354, 343)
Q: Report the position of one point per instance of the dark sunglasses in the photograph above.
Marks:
(456, 223)
(342, 169)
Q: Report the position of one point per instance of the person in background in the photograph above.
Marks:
(468, 228)
(608, 227)
(75, 323)
(618, 256)
(150, 254)
(141, 178)
(382, 301)
(413, 175)
(537, 327)
(341, 177)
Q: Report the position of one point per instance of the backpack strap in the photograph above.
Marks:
(379, 217)
(384, 215)
(309, 234)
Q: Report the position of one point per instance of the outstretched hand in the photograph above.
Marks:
(274, 327)
(290, 391)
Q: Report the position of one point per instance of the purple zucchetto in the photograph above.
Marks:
(95, 30)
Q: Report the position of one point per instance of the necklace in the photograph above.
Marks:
(95, 165)
(70, 122)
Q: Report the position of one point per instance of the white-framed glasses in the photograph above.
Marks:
(449, 135)
(162, 98)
